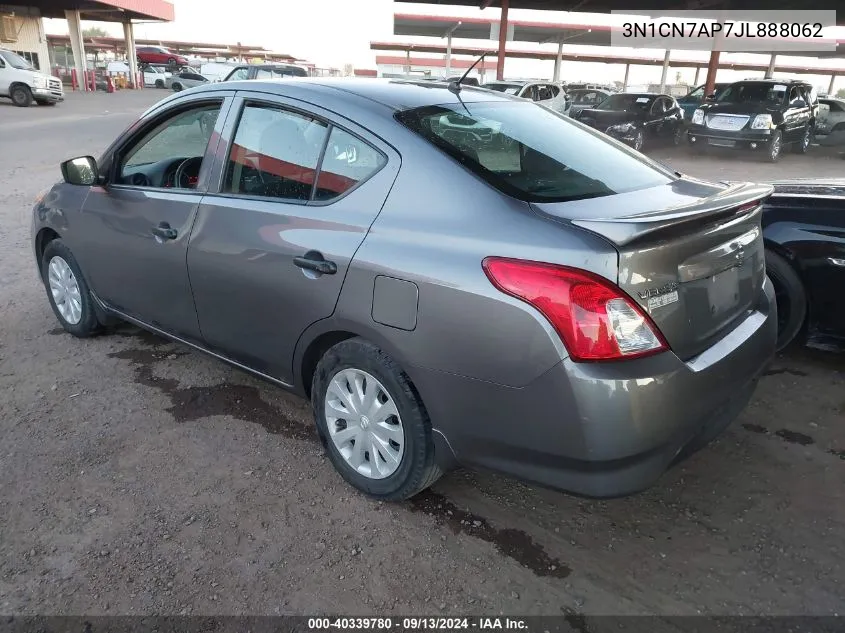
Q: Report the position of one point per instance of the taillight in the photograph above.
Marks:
(594, 318)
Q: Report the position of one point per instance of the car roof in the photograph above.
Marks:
(764, 80)
(396, 94)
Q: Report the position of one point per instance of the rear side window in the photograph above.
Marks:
(532, 153)
(347, 161)
(275, 154)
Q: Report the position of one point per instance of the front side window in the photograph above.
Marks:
(275, 153)
(239, 74)
(16, 61)
(171, 154)
(532, 153)
(347, 161)
(263, 73)
(698, 93)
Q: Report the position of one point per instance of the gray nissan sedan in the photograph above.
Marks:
(452, 276)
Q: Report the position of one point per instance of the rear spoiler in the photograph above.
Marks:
(736, 200)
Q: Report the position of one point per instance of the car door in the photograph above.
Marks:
(5, 81)
(796, 116)
(135, 227)
(655, 118)
(270, 248)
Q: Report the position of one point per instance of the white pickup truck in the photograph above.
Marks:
(21, 83)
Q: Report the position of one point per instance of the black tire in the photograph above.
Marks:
(88, 324)
(177, 87)
(791, 298)
(417, 469)
(47, 103)
(774, 148)
(21, 96)
(639, 141)
(159, 83)
(803, 145)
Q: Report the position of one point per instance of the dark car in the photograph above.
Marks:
(159, 55)
(637, 118)
(265, 71)
(804, 233)
(695, 97)
(446, 275)
(581, 99)
(758, 114)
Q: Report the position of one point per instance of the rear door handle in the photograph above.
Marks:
(164, 232)
(314, 260)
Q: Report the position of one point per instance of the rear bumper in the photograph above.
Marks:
(743, 139)
(603, 429)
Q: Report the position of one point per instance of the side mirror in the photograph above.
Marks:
(81, 171)
(710, 97)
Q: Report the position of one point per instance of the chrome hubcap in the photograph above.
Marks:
(65, 290)
(364, 423)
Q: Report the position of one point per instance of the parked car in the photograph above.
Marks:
(690, 102)
(804, 232)
(186, 79)
(547, 93)
(24, 85)
(160, 55)
(265, 71)
(582, 99)
(758, 114)
(637, 118)
(558, 307)
(830, 125)
(154, 76)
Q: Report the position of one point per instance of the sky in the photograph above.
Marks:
(332, 33)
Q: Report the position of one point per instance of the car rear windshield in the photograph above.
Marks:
(753, 92)
(626, 102)
(529, 152)
(510, 89)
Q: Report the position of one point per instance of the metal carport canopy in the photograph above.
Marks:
(106, 10)
(658, 8)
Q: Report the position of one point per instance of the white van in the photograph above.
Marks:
(21, 83)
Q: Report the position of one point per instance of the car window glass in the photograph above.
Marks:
(275, 153)
(241, 73)
(698, 93)
(347, 161)
(155, 159)
(543, 93)
(2, 63)
(795, 98)
(531, 153)
(657, 107)
(555, 91)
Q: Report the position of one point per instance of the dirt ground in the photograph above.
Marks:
(138, 477)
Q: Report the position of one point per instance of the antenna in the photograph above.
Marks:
(455, 86)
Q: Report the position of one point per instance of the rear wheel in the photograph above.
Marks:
(177, 87)
(791, 298)
(21, 96)
(68, 291)
(372, 422)
(159, 83)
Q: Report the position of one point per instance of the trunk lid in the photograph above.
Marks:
(690, 253)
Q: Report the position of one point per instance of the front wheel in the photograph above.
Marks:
(774, 147)
(21, 96)
(803, 145)
(790, 295)
(177, 87)
(68, 291)
(372, 422)
(639, 141)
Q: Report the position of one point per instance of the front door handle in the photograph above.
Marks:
(164, 232)
(314, 260)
